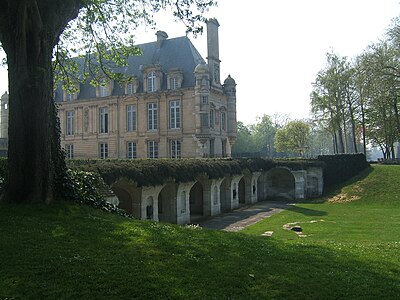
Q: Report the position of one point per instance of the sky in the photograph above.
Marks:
(275, 48)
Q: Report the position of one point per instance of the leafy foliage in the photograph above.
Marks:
(294, 137)
(84, 188)
(357, 100)
(147, 172)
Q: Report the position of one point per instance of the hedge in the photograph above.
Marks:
(341, 167)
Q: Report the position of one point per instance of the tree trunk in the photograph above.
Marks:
(31, 119)
(363, 125)
(29, 29)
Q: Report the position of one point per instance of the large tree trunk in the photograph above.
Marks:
(31, 119)
(29, 29)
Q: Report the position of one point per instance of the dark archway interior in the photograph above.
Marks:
(242, 191)
(281, 184)
(196, 200)
(125, 200)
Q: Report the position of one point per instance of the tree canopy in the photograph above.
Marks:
(357, 99)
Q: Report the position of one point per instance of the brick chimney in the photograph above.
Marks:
(213, 50)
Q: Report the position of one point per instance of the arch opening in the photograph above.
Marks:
(242, 191)
(128, 197)
(196, 201)
(280, 184)
(167, 203)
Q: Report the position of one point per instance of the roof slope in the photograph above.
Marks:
(176, 53)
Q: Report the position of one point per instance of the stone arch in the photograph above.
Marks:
(129, 197)
(280, 184)
(196, 201)
(167, 203)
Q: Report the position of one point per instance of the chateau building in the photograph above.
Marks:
(174, 106)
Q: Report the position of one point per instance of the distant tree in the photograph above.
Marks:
(320, 142)
(30, 31)
(244, 141)
(264, 133)
(294, 137)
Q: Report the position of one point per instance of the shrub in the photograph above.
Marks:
(83, 188)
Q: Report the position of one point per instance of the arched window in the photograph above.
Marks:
(151, 82)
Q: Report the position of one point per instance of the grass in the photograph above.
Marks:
(65, 251)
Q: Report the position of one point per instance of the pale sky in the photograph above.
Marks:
(274, 48)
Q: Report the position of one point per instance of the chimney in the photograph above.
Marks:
(161, 37)
(213, 50)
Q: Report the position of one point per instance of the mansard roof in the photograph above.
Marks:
(176, 53)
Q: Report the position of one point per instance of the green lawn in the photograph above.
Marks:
(351, 251)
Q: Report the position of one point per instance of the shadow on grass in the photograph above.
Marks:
(306, 211)
(92, 255)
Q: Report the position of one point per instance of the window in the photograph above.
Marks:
(130, 118)
(130, 150)
(204, 99)
(152, 149)
(129, 88)
(223, 120)
(70, 123)
(102, 91)
(103, 150)
(173, 83)
(212, 119)
(151, 82)
(223, 148)
(175, 148)
(152, 116)
(174, 114)
(69, 149)
(204, 120)
(103, 120)
(69, 97)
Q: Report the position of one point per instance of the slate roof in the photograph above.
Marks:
(176, 53)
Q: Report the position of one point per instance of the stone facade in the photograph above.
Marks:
(174, 106)
(187, 202)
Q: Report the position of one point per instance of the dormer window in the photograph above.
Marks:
(151, 82)
(175, 79)
(69, 97)
(174, 83)
(129, 88)
(104, 89)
